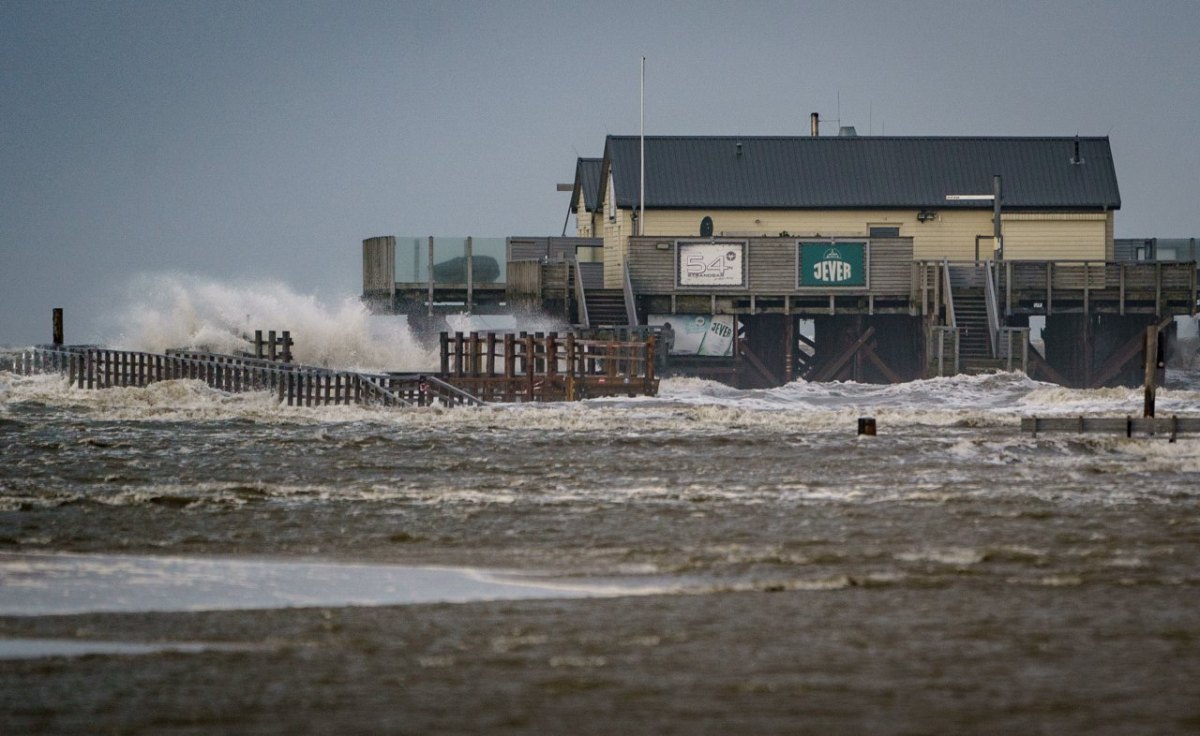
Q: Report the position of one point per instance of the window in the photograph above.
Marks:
(884, 231)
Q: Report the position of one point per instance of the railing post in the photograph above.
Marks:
(510, 365)
(1157, 291)
(429, 271)
(530, 365)
(57, 318)
(648, 372)
(1049, 287)
(474, 361)
(551, 360)
(570, 377)
(470, 276)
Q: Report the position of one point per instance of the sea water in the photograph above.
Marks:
(702, 490)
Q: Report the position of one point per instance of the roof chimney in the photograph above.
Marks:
(1076, 159)
(814, 125)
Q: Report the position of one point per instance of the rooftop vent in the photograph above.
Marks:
(1076, 159)
(847, 131)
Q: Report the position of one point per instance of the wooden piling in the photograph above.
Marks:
(57, 318)
(1151, 370)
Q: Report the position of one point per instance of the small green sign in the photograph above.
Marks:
(833, 264)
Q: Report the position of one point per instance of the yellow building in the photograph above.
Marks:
(1057, 194)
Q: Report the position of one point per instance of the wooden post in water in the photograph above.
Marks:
(570, 379)
(57, 317)
(530, 365)
(510, 365)
(1151, 370)
(866, 426)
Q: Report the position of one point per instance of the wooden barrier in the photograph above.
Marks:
(1171, 426)
(293, 384)
(547, 366)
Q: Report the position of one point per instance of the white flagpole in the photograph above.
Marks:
(641, 228)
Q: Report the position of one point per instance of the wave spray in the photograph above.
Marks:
(164, 311)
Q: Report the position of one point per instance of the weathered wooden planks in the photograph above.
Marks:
(293, 384)
(547, 366)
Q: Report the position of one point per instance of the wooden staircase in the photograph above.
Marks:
(974, 347)
(606, 307)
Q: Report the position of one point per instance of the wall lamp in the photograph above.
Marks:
(926, 215)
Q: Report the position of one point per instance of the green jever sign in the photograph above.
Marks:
(833, 264)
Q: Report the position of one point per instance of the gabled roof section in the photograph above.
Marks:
(587, 184)
(869, 172)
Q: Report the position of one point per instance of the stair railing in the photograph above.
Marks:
(948, 295)
(580, 296)
(993, 308)
(630, 303)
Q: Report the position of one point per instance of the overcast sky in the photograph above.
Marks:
(244, 141)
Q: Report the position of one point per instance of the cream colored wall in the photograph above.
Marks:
(1110, 247)
(584, 221)
(950, 235)
(1029, 237)
(617, 227)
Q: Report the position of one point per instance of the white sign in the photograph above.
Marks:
(698, 334)
(712, 263)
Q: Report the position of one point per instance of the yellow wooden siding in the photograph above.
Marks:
(618, 226)
(583, 219)
(1055, 236)
(950, 235)
(1110, 248)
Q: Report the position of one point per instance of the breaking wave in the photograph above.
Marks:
(164, 311)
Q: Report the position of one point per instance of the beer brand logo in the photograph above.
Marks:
(832, 268)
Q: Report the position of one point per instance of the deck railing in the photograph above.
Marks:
(1160, 287)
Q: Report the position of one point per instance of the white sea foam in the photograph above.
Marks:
(176, 311)
(684, 405)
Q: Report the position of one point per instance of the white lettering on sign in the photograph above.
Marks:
(711, 263)
(832, 268)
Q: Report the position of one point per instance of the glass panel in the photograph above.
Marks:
(491, 260)
(449, 260)
(412, 255)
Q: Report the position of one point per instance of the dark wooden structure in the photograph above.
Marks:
(909, 319)
(547, 366)
(1169, 427)
(293, 384)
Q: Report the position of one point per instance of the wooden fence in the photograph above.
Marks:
(547, 366)
(293, 384)
(1169, 427)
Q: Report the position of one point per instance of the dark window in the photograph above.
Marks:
(885, 232)
(706, 227)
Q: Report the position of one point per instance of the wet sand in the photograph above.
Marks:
(865, 659)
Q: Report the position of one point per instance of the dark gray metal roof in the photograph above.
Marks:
(745, 172)
(587, 183)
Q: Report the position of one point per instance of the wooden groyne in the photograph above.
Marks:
(1170, 427)
(293, 384)
(475, 368)
(547, 366)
